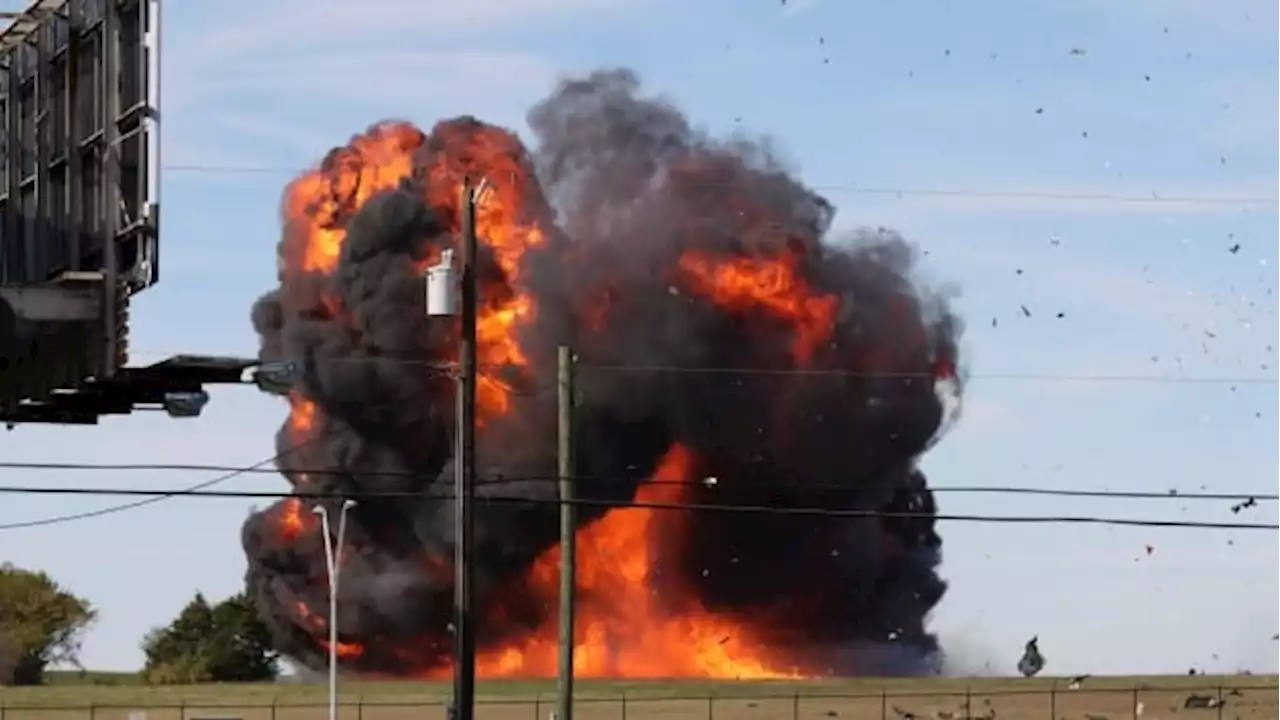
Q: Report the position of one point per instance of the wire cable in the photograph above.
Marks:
(230, 474)
(1049, 377)
(513, 480)
(684, 507)
(856, 189)
(447, 368)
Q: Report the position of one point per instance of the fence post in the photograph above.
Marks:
(884, 703)
(1134, 704)
(711, 704)
(795, 704)
(274, 700)
(93, 711)
(624, 704)
(182, 709)
(360, 707)
(968, 702)
(537, 705)
(1220, 702)
(1053, 700)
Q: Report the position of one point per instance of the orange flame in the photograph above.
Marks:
(317, 203)
(302, 417)
(631, 621)
(625, 626)
(371, 163)
(502, 226)
(293, 522)
(320, 629)
(772, 285)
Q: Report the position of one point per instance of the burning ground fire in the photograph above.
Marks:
(670, 249)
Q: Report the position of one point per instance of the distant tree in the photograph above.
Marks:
(8, 657)
(41, 624)
(242, 649)
(226, 642)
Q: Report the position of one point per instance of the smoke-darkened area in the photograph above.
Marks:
(663, 257)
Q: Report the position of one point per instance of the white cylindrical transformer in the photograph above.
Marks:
(442, 287)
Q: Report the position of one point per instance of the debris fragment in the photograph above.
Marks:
(1031, 662)
(1235, 509)
(1201, 702)
(1025, 311)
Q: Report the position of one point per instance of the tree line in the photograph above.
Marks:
(42, 625)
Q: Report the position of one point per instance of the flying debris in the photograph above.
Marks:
(1202, 702)
(649, 247)
(1244, 505)
(1031, 662)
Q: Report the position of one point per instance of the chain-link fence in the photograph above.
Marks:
(1221, 702)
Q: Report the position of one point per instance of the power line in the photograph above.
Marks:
(684, 507)
(502, 480)
(855, 189)
(448, 368)
(1048, 377)
(158, 497)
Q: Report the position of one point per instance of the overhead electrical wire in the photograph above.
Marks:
(446, 368)
(261, 467)
(230, 474)
(234, 471)
(683, 507)
(1045, 377)
(856, 189)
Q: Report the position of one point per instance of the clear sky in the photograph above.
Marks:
(1175, 98)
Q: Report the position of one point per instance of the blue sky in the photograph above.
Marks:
(1177, 99)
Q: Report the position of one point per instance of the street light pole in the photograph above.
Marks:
(334, 571)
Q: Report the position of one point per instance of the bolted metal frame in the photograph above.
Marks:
(79, 186)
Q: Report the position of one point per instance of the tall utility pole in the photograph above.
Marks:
(464, 648)
(568, 536)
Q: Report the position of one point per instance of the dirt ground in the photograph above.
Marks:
(1148, 698)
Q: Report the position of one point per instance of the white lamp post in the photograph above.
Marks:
(334, 569)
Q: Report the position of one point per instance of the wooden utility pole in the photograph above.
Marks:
(464, 648)
(568, 536)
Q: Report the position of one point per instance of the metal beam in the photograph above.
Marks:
(27, 22)
(132, 388)
(75, 297)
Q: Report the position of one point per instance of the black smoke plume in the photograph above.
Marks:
(622, 185)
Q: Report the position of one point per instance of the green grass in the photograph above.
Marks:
(68, 689)
(108, 696)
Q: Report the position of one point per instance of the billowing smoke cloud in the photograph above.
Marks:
(646, 246)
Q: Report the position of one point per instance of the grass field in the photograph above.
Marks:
(1111, 698)
(120, 697)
